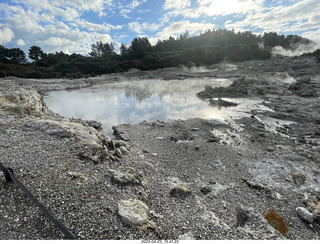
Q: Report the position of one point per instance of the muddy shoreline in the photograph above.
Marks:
(184, 179)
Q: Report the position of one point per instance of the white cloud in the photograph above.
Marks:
(211, 7)
(81, 5)
(96, 27)
(312, 35)
(21, 42)
(27, 21)
(126, 9)
(301, 16)
(140, 28)
(176, 4)
(180, 27)
(57, 41)
(103, 37)
(6, 35)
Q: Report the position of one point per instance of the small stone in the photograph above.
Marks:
(224, 204)
(77, 175)
(205, 189)
(314, 206)
(213, 139)
(298, 178)
(275, 220)
(305, 215)
(180, 190)
(242, 216)
(123, 150)
(129, 176)
(117, 153)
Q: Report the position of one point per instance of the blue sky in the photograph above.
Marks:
(74, 25)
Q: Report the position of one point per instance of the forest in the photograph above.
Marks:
(210, 47)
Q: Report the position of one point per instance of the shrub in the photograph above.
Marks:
(3, 73)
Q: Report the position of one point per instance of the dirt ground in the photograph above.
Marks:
(200, 179)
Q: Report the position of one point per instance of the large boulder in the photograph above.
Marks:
(23, 101)
(93, 144)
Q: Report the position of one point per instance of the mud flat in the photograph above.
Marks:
(191, 179)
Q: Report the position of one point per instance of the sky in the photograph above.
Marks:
(72, 26)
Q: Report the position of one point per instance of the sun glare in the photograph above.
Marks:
(224, 7)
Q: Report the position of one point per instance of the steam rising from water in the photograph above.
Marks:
(296, 51)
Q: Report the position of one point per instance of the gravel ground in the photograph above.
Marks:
(224, 166)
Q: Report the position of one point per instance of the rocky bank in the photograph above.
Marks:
(255, 177)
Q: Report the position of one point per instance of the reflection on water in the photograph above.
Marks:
(134, 101)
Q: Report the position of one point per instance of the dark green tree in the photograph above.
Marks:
(35, 53)
(4, 52)
(13, 55)
(17, 56)
(140, 47)
(124, 51)
(102, 50)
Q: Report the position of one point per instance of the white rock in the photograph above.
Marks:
(305, 215)
(133, 212)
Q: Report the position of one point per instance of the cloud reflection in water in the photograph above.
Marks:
(134, 101)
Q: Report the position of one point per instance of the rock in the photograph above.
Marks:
(221, 103)
(213, 138)
(187, 236)
(133, 212)
(23, 102)
(314, 206)
(123, 150)
(298, 178)
(93, 123)
(87, 137)
(129, 176)
(205, 189)
(303, 88)
(195, 129)
(77, 175)
(254, 224)
(261, 187)
(117, 153)
(120, 134)
(242, 216)
(275, 220)
(180, 190)
(119, 143)
(305, 215)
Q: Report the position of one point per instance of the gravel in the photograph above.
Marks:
(83, 194)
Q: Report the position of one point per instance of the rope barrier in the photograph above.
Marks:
(9, 175)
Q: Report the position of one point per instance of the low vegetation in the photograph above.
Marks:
(207, 48)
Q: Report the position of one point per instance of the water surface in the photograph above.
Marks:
(132, 102)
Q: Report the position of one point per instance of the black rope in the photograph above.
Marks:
(8, 173)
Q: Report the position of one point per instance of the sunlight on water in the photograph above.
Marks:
(135, 101)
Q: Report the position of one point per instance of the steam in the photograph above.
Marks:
(197, 69)
(295, 51)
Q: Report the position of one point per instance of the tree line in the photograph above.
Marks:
(210, 47)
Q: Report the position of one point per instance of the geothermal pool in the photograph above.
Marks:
(133, 101)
